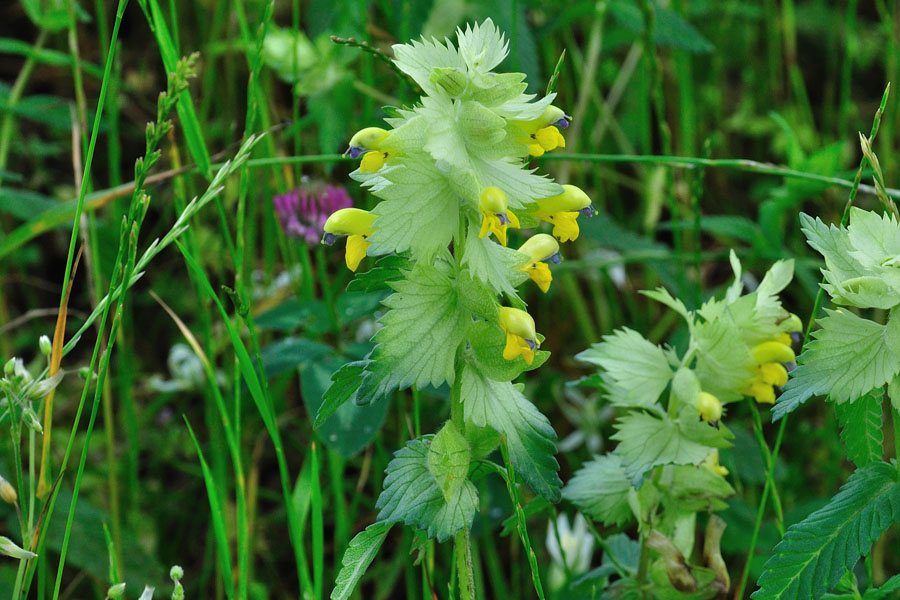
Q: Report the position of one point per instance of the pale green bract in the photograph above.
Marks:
(600, 490)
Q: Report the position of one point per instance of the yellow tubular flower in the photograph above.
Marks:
(356, 225)
(770, 373)
(562, 210)
(710, 408)
(521, 338)
(543, 132)
(773, 351)
(541, 249)
(369, 143)
(496, 217)
(711, 462)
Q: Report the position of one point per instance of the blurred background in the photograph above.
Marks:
(787, 82)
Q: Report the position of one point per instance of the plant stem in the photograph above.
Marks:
(463, 553)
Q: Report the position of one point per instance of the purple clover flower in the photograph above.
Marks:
(302, 212)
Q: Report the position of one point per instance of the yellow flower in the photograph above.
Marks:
(710, 408)
(711, 462)
(356, 225)
(369, 143)
(562, 210)
(521, 338)
(495, 215)
(543, 133)
(770, 372)
(541, 249)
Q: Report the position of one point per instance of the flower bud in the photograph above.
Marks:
(572, 199)
(9, 369)
(176, 573)
(712, 553)
(369, 138)
(8, 492)
(9, 548)
(709, 407)
(677, 571)
(493, 200)
(541, 247)
(45, 345)
(116, 591)
(518, 322)
(349, 221)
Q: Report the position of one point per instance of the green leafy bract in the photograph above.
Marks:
(647, 440)
(412, 495)
(848, 357)
(493, 264)
(448, 460)
(528, 433)
(600, 490)
(357, 558)
(487, 342)
(639, 368)
(421, 332)
(816, 552)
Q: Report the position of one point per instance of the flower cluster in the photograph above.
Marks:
(452, 178)
(739, 346)
(303, 211)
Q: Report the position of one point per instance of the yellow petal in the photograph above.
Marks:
(773, 374)
(785, 338)
(548, 137)
(357, 245)
(513, 219)
(372, 161)
(539, 273)
(560, 140)
(512, 349)
(763, 393)
(535, 150)
(485, 224)
(565, 226)
(517, 322)
(540, 247)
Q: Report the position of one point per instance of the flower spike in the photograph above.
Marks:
(541, 249)
(521, 338)
(356, 225)
(562, 210)
(496, 217)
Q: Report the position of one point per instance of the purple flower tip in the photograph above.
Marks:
(532, 344)
(504, 220)
(564, 122)
(588, 211)
(355, 152)
(554, 259)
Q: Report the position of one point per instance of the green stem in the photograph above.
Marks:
(770, 466)
(521, 525)
(463, 553)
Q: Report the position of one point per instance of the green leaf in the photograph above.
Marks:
(413, 496)
(349, 428)
(833, 244)
(422, 330)
(344, 382)
(448, 459)
(861, 427)
(816, 552)
(848, 357)
(663, 296)
(357, 558)
(875, 238)
(638, 367)
(528, 433)
(418, 211)
(889, 587)
(387, 269)
(723, 360)
(493, 264)
(688, 488)
(646, 441)
(600, 490)
(476, 297)
(487, 342)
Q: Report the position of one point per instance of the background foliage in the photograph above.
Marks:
(784, 82)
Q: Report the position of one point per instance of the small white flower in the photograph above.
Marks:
(575, 545)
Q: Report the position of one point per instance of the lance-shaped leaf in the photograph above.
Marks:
(861, 427)
(357, 558)
(528, 433)
(816, 552)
